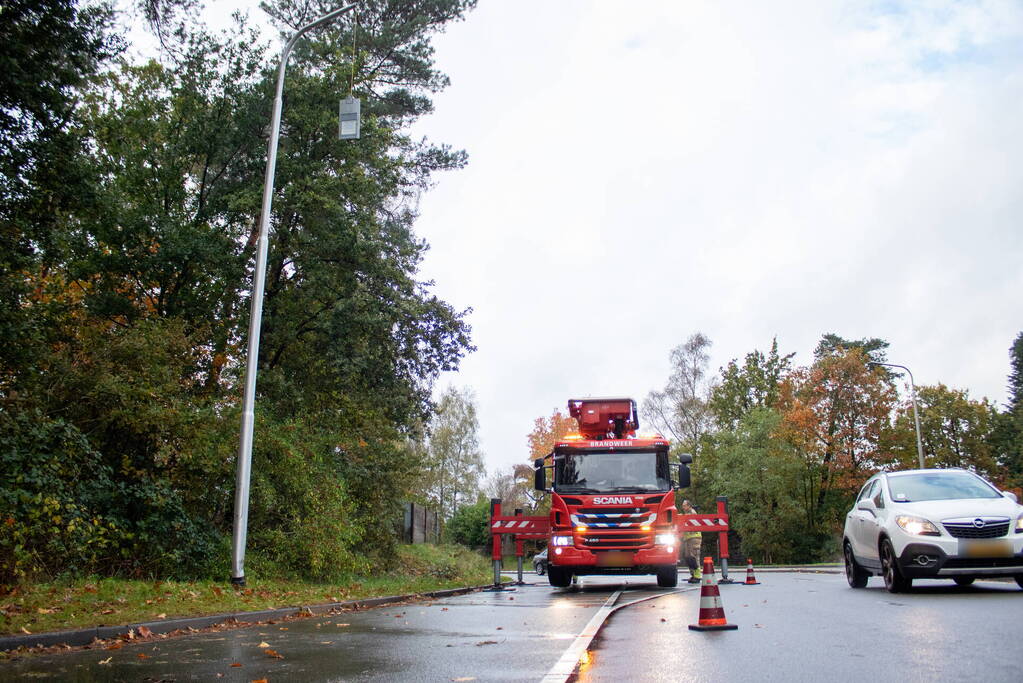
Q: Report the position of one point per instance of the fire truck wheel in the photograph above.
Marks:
(667, 577)
(559, 577)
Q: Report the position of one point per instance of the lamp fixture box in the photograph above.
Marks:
(349, 119)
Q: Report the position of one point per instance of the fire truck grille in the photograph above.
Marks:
(613, 518)
(595, 540)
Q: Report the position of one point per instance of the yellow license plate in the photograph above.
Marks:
(985, 548)
(613, 559)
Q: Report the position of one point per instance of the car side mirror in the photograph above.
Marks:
(1011, 496)
(866, 504)
(685, 458)
(539, 475)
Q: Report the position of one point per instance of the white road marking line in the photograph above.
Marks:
(566, 665)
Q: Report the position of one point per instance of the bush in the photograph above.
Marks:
(62, 512)
(302, 521)
(470, 525)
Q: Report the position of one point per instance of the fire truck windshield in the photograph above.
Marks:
(611, 471)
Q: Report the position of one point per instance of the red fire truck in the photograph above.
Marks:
(612, 496)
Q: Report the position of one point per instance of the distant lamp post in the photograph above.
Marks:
(912, 398)
(244, 468)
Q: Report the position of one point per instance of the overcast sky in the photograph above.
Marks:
(642, 171)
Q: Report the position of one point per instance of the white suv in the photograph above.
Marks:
(932, 524)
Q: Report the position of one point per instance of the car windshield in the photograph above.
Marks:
(909, 488)
(612, 472)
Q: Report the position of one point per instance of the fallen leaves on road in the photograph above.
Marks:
(465, 678)
(273, 653)
(264, 644)
(236, 664)
(161, 615)
(486, 642)
(116, 646)
(142, 655)
(145, 631)
(106, 661)
(342, 625)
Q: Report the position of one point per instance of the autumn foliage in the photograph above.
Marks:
(547, 431)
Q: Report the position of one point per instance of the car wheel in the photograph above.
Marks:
(538, 568)
(667, 577)
(854, 573)
(559, 578)
(894, 580)
(964, 580)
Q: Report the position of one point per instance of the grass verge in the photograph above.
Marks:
(95, 601)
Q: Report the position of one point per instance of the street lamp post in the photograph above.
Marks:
(912, 398)
(244, 468)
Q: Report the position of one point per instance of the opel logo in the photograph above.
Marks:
(979, 523)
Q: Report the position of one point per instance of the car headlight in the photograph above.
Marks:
(561, 540)
(665, 539)
(1019, 525)
(917, 526)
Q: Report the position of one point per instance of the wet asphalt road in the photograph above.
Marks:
(813, 627)
(793, 627)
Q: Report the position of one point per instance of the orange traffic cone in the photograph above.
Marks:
(712, 614)
(750, 579)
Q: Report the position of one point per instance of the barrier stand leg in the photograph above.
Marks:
(724, 571)
(495, 554)
(723, 542)
(518, 551)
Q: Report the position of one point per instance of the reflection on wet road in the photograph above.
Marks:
(791, 627)
(515, 635)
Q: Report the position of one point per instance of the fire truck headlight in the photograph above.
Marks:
(665, 539)
(561, 540)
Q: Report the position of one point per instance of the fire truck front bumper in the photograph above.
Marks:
(612, 560)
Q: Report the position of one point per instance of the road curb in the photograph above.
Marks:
(85, 636)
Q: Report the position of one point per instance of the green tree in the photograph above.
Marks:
(755, 384)
(761, 475)
(454, 462)
(50, 50)
(139, 295)
(833, 345)
(1007, 435)
(955, 431)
